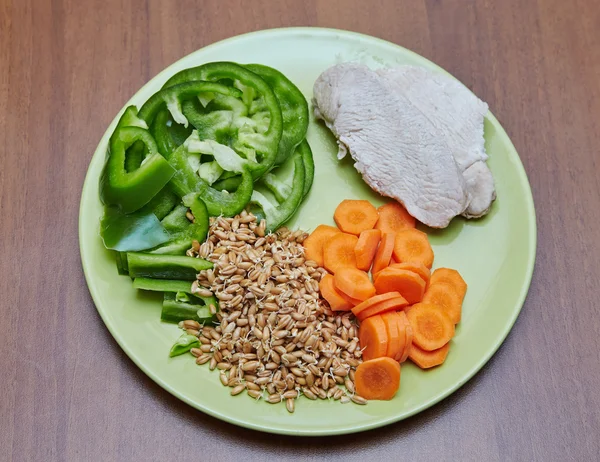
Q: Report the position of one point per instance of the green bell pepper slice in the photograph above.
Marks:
(132, 190)
(288, 193)
(161, 204)
(133, 232)
(183, 232)
(174, 96)
(162, 285)
(184, 344)
(309, 165)
(186, 181)
(180, 307)
(167, 133)
(231, 183)
(294, 109)
(165, 266)
(253, 124)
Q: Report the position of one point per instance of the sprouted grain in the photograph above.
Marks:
(275, 337)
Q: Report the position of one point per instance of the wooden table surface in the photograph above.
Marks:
(67, 390)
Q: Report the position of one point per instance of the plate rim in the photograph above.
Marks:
(531, 255)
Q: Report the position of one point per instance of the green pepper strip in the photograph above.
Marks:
(278, 215)
(294, 109)
(174, 96)
(309, 165)
(176, 308)
(165, 266)
(266, 143)
(132, 190)
(184, 344)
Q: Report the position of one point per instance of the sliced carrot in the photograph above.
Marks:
(415, 267)
(426, 359)
(393, 304)
(452, 277)
(339, 252)
(353, 301)
(384, 252)
(354, 283)
(393, 217)
(373, 301)
(328, 291)
(409, 284)
(377, 378)
(400, 317)
(412, 245)
(432, 327)
(366, 247)
(443, 295)
(408, 336)
(373, 339)
(313, 244)
(355, 216)
(395, 342)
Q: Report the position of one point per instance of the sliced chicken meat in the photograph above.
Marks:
(458, 116)
(402, 147)
(395, 147)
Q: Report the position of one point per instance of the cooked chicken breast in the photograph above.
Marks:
(416, 136)
(398, 151)
(458, 116)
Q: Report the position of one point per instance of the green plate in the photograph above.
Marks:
(495, 254)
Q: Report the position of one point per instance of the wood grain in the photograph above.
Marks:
(67, 66)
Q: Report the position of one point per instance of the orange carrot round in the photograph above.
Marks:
(366, 247)
(432, 328)
(339, 252)
(355, 216)
(313, 244)
(373, 339)
(393, 217)
(373, 301)
(378, 378)
(395, 343)
(384, 252)
(354, 283)
(412, 245)
(393, 304)
(452, 277)
(443, 295)
(427, 359)
(410, 285)
(415, 267)
(328, 291)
